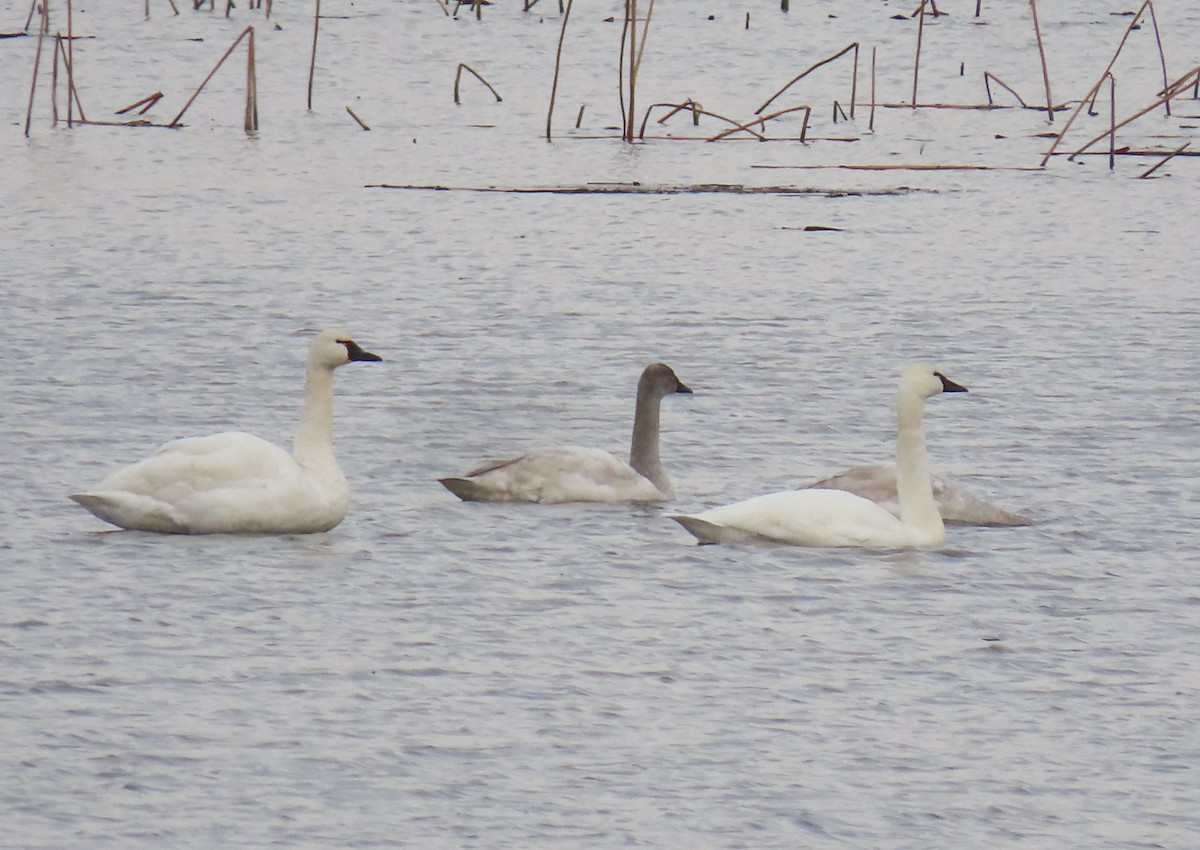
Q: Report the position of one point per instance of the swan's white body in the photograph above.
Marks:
(575, 474)
(956, 503)
(836, 518)
(237, 483)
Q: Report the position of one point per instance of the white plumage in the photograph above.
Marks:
(837, 518)
(239, 483)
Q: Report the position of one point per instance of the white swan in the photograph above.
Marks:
(574, 474)
(956, 503)
(238, 483)
(839, 518)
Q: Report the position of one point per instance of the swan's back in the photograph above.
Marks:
(231, 482)
(817, 518)
(567, 474)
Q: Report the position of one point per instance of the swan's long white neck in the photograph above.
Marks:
(643, 452)
(313, 447)
(918, 508)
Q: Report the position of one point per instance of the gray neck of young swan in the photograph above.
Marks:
(918, 508)
(643, 453)
(313, 446)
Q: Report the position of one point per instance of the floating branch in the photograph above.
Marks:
(697, 111)
(826, 61)
(356, 118)
(251, 88)
(987, 76)
(896, 167)
(644, 189)
(557, 63)
(765, 118)
(458, 76)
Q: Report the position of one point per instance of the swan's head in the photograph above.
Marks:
(924, 380)
(660, 379)
(333, 348)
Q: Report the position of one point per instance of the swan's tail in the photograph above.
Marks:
(130, 510)
(468, 489)
(711, 532)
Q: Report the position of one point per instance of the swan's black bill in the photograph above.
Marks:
(948, 386)
(682, 388)
(354, 352)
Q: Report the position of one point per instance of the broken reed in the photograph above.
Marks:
(1148, 5)
(462, 66)
(251, 116)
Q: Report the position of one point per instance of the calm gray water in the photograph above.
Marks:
(433, 674)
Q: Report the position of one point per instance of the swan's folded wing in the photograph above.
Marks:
(819, 518)
(568, 474)
(202, 464)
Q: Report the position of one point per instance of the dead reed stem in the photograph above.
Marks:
(72, 92)
(557, 63)
(37, 61)
(312, 64)
(248, 31)
(356, 118)
(32, 8)
(1176, 88)
(70, 61)
(1112, 122)
(1164, 161)
(987, 76)
(631, 29)
(917, 58)
(697, 111)
(688, 104)
(815, 66)
(1037, 31)
(445, 8)
(1107, 69)
(251, 122)
(871, 123)
(765, 118)
(462, 66)
(54, 80)
(146, 103)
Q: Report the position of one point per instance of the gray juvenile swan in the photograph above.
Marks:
(834, 518)
(575, 474)
(956, 503)
(238, 483)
